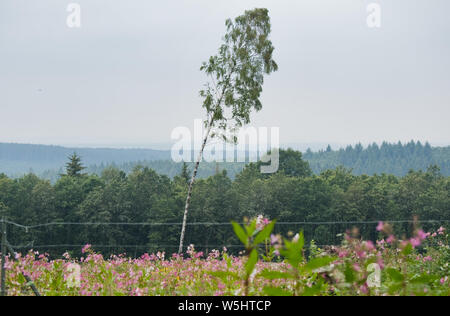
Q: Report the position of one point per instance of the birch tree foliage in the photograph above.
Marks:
(236, 73)
(236, 76)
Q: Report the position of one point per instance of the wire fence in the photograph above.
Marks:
(135, 239)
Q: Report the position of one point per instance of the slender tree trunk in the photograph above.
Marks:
(191, 184)
(199, 158)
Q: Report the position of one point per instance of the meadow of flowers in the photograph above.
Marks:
(271, 265)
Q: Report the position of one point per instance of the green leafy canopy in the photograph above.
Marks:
(236, 73)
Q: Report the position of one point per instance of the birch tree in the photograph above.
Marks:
(234, 85)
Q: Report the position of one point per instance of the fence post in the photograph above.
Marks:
(3, 276)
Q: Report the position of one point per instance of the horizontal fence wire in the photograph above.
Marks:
(137, 238)
(213, 223)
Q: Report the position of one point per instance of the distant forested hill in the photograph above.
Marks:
(396, 159)
(49, 161)
(20, 158)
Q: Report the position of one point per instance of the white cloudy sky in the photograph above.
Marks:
(130, 74)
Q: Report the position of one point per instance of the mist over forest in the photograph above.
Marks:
(391, 158)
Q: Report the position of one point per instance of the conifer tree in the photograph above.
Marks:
(74, 166)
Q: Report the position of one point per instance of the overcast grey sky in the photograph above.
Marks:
(131, 74)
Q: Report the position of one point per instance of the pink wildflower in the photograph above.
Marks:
(380, 226)
(380, 262)
(86, 248)
(160, 255)
(422, 235)
(199, 254)
(415, 242)
(364, 288)
(369, 245)
(274, 239)
(390, 239)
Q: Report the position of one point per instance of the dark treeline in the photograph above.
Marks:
(293, 194)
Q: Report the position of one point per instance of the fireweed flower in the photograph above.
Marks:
(364, 288)
(198, 254)
(381, 243)
(214, 254)
(356, 267)
(380, 226)
(261, 222)
(369, 245)
(275, 239)
(191, 250)
(390, 239)
(415, 242)
(86, 248)
(380, 262)
(422, 235)
(361, 254)
(160, 255)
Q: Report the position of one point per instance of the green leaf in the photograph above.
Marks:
(407, 250)
(275, 291)
(349, 274)
(424, 279)
(224, 275)
(395, 274)
(394, 288)
(265, 233)
(273, 275)
(240, 233)
(300, 243)
(20, 278)
(294, 250)
(251, 228)
(228, 260)
(319, 262)
(251, 262)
